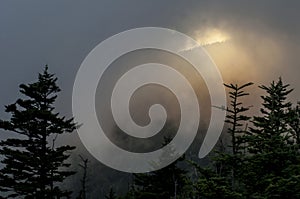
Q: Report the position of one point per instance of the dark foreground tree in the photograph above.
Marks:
(294, 122)
(169, 182)
(83, 181)
(271, 169)
(33, 165)
(236, 118)
(212, 185)
(111, 194)
(219, 179)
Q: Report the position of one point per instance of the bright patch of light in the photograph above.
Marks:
(211, 36)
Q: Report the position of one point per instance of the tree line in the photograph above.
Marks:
(260, 160)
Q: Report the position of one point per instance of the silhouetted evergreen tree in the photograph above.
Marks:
(84, 167)
(111, 194)
(33, 165)
(211, 185)
(169, 182)
(271, 169)
(218, 180)
(236, 118)
(237, 123)
(294, 122)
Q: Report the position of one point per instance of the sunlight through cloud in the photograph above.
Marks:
(211, 37)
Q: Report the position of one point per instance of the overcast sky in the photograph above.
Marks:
(264, 36)
(259, 39)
